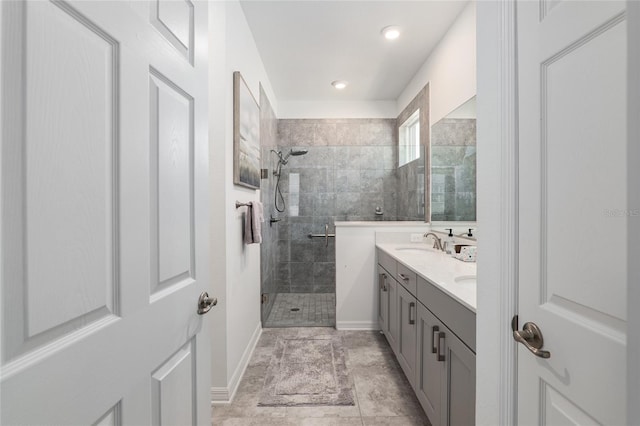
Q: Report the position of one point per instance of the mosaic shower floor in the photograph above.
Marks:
(303, 310)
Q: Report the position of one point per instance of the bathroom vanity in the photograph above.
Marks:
(426, 309)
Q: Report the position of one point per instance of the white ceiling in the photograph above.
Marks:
(305, 45)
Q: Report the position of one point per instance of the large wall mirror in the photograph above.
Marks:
(453, 165)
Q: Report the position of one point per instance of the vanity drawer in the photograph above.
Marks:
(460, 320)
(407, 278)
(387, 262)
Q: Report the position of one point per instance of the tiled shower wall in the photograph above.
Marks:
(269, 246)
(348, 172)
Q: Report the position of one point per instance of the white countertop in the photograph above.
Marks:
(438, 268)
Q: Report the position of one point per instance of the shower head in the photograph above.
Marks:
(294, 153)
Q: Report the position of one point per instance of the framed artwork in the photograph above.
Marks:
(246, 135)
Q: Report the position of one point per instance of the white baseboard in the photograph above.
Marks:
(357, 325)
(225, 395)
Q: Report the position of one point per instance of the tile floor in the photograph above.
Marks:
(382, 393)
(313, 310)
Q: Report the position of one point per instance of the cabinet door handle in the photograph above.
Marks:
(412, 307)
(440, 338)
(434, 332)
(383, 282)
(403, 277)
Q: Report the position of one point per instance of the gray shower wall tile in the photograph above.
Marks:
(324, 273)
(348, 203)
(282, 232)
(347, 181)
(301, 231)
(346, 157)
(348, 134)
(325, 133)
(390, 205)
(371, 181)
(316, 157)
(283, 271)
(323, 252)
(326, 180)
(377, 132)
(302, 251)
(305, 204)
(372, 158)
(300, 133)
(389, 181)
(369, 203)
(300, 272)
(283, 250)
(324, 204)
(389, 157)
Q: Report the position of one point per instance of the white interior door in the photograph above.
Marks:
(573, 210)
(104, 174)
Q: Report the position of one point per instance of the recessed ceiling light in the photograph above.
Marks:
(339, 84)
(391, 33)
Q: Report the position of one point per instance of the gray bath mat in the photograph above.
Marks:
(307, 371)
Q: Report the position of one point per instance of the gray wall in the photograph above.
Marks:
(350, 169)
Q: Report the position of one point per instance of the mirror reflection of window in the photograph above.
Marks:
(409, 144)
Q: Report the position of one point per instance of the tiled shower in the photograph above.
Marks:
(348, 174)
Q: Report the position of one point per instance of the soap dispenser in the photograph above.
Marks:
(450, 242)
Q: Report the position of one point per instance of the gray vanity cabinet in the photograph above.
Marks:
(433, 337)
(445, 380)
(407, 313)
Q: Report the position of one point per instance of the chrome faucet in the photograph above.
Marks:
(437, 242)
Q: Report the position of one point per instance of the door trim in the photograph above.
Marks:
(633, 194)
(496, 403)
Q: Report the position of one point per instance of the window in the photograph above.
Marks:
(409, 143)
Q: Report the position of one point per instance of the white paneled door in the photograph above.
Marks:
(103, 221)
(573, 211)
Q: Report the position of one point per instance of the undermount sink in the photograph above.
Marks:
(414, 250)
(466, 280)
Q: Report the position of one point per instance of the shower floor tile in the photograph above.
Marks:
(303, 310)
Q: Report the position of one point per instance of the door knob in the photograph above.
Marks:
(531, 338)
(205, 303)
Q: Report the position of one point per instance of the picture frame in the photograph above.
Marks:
(246, 135)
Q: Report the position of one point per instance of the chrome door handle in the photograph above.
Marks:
(403, 277)
(531, 338)
(412, 306)
(205, 303)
